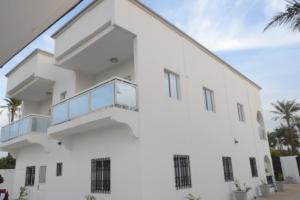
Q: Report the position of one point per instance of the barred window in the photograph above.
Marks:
(30, 176)
(228, 172)
(182, 172)
(59, 167)
(100, 180)
(253, 167)
(42, 174)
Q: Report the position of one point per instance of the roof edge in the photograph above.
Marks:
(183, 34)
(33, 53)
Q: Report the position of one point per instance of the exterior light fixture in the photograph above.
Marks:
(114, 60)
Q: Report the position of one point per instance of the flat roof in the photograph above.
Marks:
(168, 24)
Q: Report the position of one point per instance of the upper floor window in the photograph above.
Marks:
(30, 176)
(182, 172)
(209, 100)
(253, 167)
(171, 85)
(100, 175)
(228, 171)
(241, 113)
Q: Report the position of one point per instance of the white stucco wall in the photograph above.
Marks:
(143, 168)
(8, 175)
(290, 168)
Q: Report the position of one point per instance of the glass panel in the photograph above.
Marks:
(14, 129)
(167, 86)
(4, 133)
(125, 95)
(79, 105)
(24, 126)
(102, 96)
(209, 100)
(60, 113)
(40, 124)
(173, 85)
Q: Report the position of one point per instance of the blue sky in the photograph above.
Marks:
(230, 28)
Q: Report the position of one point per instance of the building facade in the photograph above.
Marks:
(130, 107)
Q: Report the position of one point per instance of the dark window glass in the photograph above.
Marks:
(100, 176)
(253, 167)
(59, 167)
(30, 176)
(228, 172)
(182, 172)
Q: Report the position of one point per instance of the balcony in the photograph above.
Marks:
(32, 129)
(32, 79)
(109, 103)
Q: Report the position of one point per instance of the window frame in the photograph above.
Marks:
(212, 99)
(253, 167)
(98, 181)
(169, 85)
(59, 169)
(228, 169)
(182, 172)
(30, 176)
(42, 174)
(241, 112)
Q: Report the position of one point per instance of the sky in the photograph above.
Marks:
(233, 30)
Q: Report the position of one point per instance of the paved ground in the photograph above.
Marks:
(292, 192)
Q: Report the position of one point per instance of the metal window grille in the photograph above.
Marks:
(59, 167)
(42, 174)
(100, 175)
(253, 167)
(182, 172)
(228, 172)
(30, 176)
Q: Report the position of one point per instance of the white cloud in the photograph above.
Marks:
(233, 24)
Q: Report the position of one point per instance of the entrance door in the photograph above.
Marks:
(41, 187)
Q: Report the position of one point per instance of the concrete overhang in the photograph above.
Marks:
(22, 21)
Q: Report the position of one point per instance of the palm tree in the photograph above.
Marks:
(290, 16)
(12, 105)
(286, 111)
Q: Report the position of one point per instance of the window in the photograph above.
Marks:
(253, 167)
(42, 174)
(63, 95)
(171, 85)
(241, 113)
(209, 100)
(59, 167)
(182, 172)
(30, 176)
(228, 172)
(100, 176)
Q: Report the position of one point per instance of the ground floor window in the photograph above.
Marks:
(59, 167)
(182, 172)
(253, 167)
(42, 174)
(100, 175)
(30, 176)
(228, 172)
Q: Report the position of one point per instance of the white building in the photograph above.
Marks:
(139, 111)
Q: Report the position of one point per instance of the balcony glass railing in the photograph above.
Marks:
(113, 93)
(28, 124)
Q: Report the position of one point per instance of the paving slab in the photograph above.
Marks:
(292, 192)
